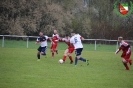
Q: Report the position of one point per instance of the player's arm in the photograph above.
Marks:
(61, 39)
(129, 50)
(82, 38)
(71, 42)
(117, 51)
(49, 38)
(37, 41)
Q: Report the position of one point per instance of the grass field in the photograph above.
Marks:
(19, 68)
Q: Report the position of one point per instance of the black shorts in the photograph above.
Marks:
(42, 49)
(78, 51)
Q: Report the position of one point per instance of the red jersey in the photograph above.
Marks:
(125, 47)
(55, 38)
(67, 41)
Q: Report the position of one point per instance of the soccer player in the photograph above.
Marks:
(76, 41)
(69, 50)
(126, 48)
(43, 44)
(54, 43)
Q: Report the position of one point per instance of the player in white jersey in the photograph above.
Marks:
(43, 44)
(76, 41)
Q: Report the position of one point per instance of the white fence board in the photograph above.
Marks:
(95, 40)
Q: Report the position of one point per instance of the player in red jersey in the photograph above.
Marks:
(126, 48)
(69, 50)
(54, 43)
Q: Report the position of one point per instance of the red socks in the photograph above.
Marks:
(130, 62)
(52, 54)
(70, 57)
(64, 58)
(125, 64)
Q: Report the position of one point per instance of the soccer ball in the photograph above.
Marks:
(60, 61)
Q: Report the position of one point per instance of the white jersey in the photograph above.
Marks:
(42, 40)
(76, 41)
(124, 43)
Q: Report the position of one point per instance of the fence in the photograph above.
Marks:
(27, 40)
(27, 37)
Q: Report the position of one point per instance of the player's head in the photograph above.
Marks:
(40, 34)
(55, 31)
(120, 38)
(66, 36)
(72, 33)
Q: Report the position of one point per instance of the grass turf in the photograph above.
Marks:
(19, 68)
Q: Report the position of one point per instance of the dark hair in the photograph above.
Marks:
(72, 32)
(66, 35)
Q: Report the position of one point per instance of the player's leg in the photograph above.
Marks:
(55, 50)
(81, 58)
(38, 52)
(76, 60)
(70, 57)
(70, 51)
(52, 49)
(43, 51)
(129, 60)
(65, 55)
(125, 59)
(78, 53)
(125, 63)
